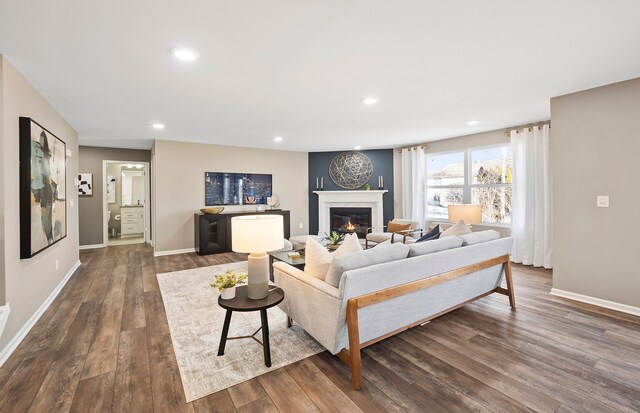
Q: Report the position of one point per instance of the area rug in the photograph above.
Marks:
(195, 323)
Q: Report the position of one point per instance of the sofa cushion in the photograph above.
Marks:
(456, 230)
(480, 236)
(365, 258)
(433, 234)
(350, 244)
(436, 245)
(316, 259)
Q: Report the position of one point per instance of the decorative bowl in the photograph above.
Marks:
(212, 210)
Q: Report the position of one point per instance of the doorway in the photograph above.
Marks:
(125, 202)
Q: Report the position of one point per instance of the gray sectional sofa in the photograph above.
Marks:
(373, 294)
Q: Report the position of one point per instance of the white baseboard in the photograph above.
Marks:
(173, 252)
(623, 308)
(15, 341)
(90, 247)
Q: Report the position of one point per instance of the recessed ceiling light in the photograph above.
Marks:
(187, 55)
(158, 126)
(473, 122)
(370, 100)
(357, 147)
(277, 138)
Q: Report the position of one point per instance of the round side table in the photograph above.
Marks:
(243, 303)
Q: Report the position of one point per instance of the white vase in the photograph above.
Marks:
(228, 293)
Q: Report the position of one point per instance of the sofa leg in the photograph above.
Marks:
(509, 279)
(289, 322)
(355, 358)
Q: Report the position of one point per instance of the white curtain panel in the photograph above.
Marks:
(414, 161)
(532, 197)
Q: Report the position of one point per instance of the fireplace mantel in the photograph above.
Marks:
(361, 199)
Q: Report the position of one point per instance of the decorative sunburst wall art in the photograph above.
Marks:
(350, 170)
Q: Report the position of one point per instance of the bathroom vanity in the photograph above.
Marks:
(132, 220)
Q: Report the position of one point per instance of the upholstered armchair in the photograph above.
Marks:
(377, 235)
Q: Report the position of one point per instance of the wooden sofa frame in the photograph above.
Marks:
(352, 356)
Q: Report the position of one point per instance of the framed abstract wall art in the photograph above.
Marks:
(222, 188)
(43, 203)
(85, 184)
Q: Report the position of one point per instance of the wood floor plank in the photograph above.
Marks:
(166, 386)
(23, 385)
(133, 312)
(369, 398)
(219, 402)
(320, 389)
(447, 374)
(132, 391)
(246, 392)
(94, 395)
(285, 393)
(103, 353)
(263, 405)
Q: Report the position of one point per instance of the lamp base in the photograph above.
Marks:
(258, 275)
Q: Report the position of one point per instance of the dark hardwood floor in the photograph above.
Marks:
(104, 345)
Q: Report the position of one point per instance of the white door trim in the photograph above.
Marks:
(147, 190)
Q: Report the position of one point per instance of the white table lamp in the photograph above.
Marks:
(257, 234)
(470, 213)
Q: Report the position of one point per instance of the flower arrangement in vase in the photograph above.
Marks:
(333, 240)
(226, 283)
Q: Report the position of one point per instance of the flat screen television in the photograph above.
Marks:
(223, 188)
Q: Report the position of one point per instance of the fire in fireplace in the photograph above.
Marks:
(349, 220)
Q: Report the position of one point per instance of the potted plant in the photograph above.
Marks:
(226, 283)
(333, 240)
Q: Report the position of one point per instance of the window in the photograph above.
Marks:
(445, 182)
(475, 176)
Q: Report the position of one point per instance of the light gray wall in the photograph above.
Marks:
(29, 282)
(2, 177)
(178, 185)
(495, 137)
(595, 149)
(91, 223)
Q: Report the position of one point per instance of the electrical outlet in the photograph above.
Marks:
(301, 225)
(602, 201)
(72, 202)
(57, 264)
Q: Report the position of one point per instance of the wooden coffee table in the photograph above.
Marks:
(243, 303)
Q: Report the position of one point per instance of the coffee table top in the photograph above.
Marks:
(283, 256)
(243, 303)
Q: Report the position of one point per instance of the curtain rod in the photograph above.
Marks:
(508, 131)
(412, 147)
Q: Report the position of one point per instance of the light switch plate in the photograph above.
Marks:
(602, 201)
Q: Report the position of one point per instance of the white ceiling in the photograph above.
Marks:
(298, 69)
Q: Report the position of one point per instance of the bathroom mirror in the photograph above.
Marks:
(133, 187)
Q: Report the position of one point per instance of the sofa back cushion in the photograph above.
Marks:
(317, 259)
(480, 236)
(436, 245)
(378, 255)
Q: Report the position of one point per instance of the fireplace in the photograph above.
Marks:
(347, 220)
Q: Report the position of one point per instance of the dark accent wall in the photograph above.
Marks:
(382, 160)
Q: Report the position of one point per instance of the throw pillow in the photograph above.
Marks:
(480, 236)
(430, 247)
(363, 259)
(431, 235)
(350, 244)
(317, 259)
(456, 230)
(395, 227)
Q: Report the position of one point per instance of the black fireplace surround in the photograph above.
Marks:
(347, 220)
